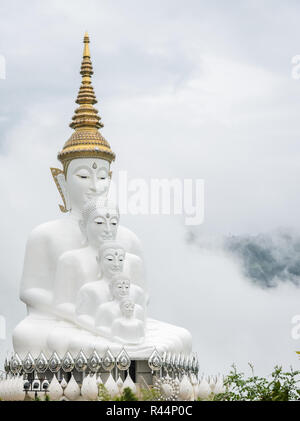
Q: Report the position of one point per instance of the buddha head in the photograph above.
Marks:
(111, 256)
(86, 156)
(86, 179)
(99, 221)
(120, 286)
(127, 308)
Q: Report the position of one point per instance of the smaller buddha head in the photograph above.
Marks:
(120, 286)
(127, 307)
(99, 222)
(111, 256)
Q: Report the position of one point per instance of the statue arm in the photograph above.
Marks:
(35, 290)
(83, 307)
(67, 282)
(104, 319)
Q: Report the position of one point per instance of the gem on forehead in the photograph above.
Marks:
(94, 165)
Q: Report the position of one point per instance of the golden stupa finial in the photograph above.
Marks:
(86, 141)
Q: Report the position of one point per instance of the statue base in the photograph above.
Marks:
(38, 333)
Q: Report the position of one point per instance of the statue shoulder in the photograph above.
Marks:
(49, 230)
(130, 241)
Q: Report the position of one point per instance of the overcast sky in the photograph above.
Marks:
(189, 89)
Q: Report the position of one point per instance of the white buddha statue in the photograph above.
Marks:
(112, 260)
(65, 250)
(128, 328)
(86, 159)
(111, 310)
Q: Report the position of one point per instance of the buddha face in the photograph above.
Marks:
(127, 308)
(102, 226)
(112, 261)
(120, 289)
(87, 178)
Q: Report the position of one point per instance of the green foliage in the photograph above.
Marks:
(47, 397)
(127, 395)
(149, 394)
(37, 398)
(281, 386)
(103, 393)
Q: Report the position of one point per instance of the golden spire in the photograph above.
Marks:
(86, 141)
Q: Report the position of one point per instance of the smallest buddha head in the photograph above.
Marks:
(120, 286)
(127, 308)
(99, 221)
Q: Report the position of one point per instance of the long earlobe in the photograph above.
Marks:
(60, 181)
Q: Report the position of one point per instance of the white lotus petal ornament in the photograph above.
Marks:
(20, 394)
(91, 391)
(204, 390)
(186, 390)
(89, 388)
(219, 386)
(13, 390)
(85, 388)
(72, 391)
(111, 386)
(55, 390)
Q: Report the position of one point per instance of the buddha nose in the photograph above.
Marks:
(107, 226)
(93, 184)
